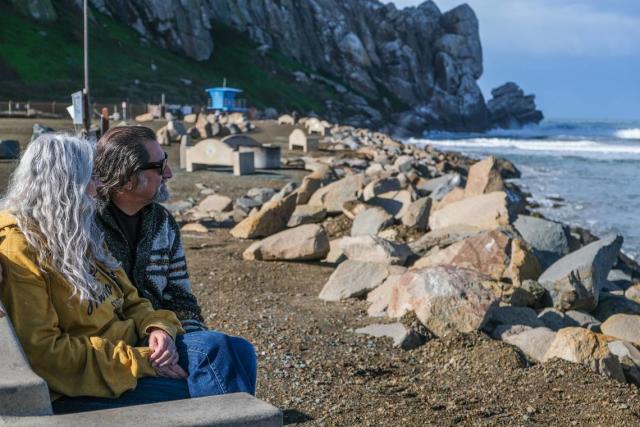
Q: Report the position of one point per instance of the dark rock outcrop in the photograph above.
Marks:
(511, 108)
(419, 65)
(425, 59)
(40, 10)
(183, 26)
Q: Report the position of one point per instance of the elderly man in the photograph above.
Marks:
(141, 233)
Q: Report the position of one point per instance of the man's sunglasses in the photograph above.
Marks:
(161, 165)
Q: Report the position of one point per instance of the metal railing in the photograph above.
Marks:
(58, 109)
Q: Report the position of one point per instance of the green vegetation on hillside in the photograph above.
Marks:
(44, 62)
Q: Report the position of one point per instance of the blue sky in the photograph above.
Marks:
(581, 58)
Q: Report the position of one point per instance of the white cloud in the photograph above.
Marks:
(551, 27)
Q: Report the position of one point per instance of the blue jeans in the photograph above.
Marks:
(216, 364)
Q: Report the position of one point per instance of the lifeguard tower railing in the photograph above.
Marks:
(225, 99)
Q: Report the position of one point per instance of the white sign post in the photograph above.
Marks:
(75, 110)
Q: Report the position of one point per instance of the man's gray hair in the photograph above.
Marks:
(47, 195)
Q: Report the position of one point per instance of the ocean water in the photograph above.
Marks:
(584, 173)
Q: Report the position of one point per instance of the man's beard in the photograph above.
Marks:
(162, 194)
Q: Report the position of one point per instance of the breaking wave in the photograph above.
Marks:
(559, 146)
(633, 133)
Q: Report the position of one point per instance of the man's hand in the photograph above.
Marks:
(164, 358)
(164, 349)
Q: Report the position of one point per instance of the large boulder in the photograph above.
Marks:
(629, 357)
(334, 195)
(547, 238)
(175, 130)
(261, 194)
(203, 127)
(437, 188)
(303, 243)
(417, 215)
(380, 297)
(523, 265)
(395, 203)
(508, 315)
(583, 346)
(311, 183)
(215, 203)
(306, 214)
(246, 204)
(445, 299)
(374, 249)
(383, 185)
(534, 343)
(492, 253)
(484, 212)
(370, 221)
(452, 196)
(623, 326)
(574, 282)
(271, 218)
(442, 238)
(633, 292)
(353, 279)
(486, 253)
(484, 177)
(610, 304)
(286, 119)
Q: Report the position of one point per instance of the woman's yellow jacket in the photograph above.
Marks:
(81, 348)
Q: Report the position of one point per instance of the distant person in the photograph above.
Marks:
(141, 233)
(82, 324)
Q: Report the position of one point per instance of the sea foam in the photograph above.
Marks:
(633, 133)
(546, 145)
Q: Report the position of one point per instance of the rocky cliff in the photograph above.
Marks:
(419, 66)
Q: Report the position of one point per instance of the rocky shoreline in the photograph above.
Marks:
(446, 242)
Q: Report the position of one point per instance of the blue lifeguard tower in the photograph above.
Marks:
(224, 99)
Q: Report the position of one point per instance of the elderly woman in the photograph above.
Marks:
(81, 322)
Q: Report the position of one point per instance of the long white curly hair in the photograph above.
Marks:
(47, 195)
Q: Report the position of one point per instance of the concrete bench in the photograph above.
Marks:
(298, 139)
(217, 152)
(24, 401)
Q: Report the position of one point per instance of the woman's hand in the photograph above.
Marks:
(164, 358)
(172, 371)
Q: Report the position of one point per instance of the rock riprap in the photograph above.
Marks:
(444, 299)
(353, 279)
(334, 195)
(547, 238)
(303, 243)
(582, 346)
(623, 326)
(534, 343)
(370, 221)
(272, 217)
(484, 177)
(575, 281)
(484, 212)
(374, 249)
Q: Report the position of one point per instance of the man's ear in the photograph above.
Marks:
(131, 184)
